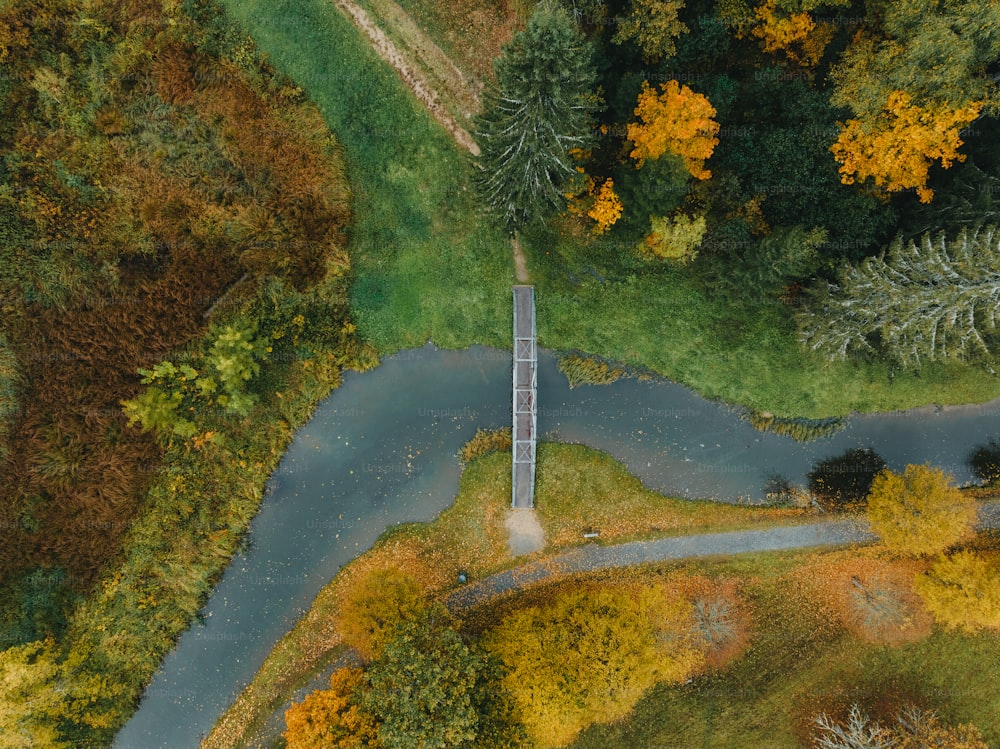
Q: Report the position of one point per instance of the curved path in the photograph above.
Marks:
(368, 461)
(592, 558)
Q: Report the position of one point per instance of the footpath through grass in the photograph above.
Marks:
(470, 536)
(426, 265)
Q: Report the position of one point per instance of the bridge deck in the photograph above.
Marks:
(525, 386)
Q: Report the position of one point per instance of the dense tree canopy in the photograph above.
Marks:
(963, 591)
(427, 687)
(590, 655)
(331, 718)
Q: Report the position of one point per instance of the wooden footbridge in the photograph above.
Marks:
(525, 391)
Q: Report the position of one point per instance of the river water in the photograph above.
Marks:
(382, 448)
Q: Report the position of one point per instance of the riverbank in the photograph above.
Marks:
(470, 536)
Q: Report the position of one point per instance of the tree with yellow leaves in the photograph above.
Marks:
(330, 718)
(675, 120)
(781, 31)
(920, 511)
(897, 150)
(590, 655)
(652, 25)
(373, 608)
(607, 207)
(674, 238)
(962, 591)
(31, 703)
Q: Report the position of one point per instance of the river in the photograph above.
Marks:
(381, 450)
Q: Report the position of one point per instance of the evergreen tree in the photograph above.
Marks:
(541, 110)
(932, 300)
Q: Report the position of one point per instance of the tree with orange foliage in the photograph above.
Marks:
(897, 150)
(676, 120)
(330, 718)
(607, 207)
(782, 31)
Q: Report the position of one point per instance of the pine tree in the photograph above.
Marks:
(541, 110)
(932, 300)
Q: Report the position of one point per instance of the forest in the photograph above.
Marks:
(173, 216)
(182, 258)
(836, 159)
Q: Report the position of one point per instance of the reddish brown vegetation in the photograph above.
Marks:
(75, 473)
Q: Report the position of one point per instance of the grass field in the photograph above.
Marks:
(427, 265)
(801, 663)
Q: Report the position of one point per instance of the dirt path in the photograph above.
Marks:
(414, 80)
(524, 532)
(520, 261)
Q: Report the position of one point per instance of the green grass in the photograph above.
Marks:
(426, 264)
(739, 353)
(428, 267)
(578, 489)
(800, 664)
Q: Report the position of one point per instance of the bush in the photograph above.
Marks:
(843, 482)
(589, 370)
(985, 462)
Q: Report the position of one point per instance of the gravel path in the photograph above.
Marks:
(593, 557)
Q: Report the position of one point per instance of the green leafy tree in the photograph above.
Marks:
(674, 238)
(156, 411)
(541, 110)
(234, 356)
(920, 511)
(932, 300)
(652, 25)
(422, 689)
(962, 591)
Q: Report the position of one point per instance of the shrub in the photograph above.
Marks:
(842, 482)
(985, 462)
(588, 370)
(486, 441)
(373, 608)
